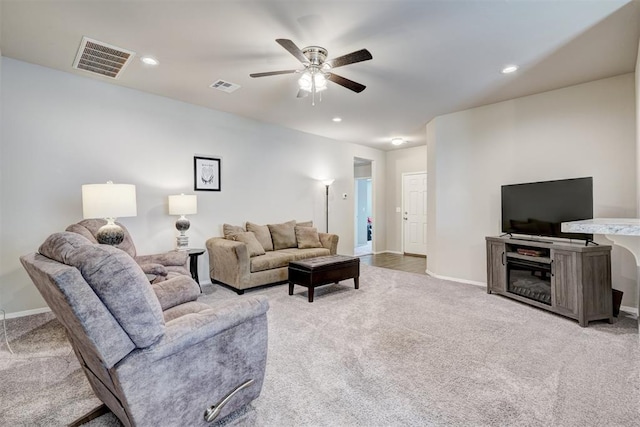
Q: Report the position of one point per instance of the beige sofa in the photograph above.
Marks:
(257, 255)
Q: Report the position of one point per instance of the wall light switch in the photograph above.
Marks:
(398, 210)
(344, 195)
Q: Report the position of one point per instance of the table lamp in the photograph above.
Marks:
(109, 201)
(182, 205)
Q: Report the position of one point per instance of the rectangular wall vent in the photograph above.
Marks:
(101, 58)
(225, 86)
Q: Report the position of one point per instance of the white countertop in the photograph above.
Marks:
(617, 226)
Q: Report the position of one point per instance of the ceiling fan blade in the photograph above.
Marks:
(350, 58)
(349, 84)
(302, 93)
(272, 73)
(293, 49)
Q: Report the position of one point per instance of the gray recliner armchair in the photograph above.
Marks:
(163, 266)
(184, 365)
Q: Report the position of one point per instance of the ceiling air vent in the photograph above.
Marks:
(102, 58)
(225, 86)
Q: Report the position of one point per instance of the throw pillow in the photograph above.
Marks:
(283, 235)
(262, 234)
(305, 224)
(228, 229)
(249, 238)
(307, 237)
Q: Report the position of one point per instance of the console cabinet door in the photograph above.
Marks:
(496, 268)
(564, 282)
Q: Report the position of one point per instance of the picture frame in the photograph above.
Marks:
(206, 173)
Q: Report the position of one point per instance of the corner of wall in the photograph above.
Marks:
(637, 79)
(432, 173)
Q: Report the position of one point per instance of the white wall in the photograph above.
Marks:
(362, 171)
(582, 130)
(398, 162)
(60, 131)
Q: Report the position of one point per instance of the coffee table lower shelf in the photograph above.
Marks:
(314, 272)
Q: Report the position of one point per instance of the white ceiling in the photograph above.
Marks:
(429, 57)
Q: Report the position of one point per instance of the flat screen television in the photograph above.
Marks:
(539, 208)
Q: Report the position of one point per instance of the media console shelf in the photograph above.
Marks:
(566, 278)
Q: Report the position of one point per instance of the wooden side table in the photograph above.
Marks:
(193, 264)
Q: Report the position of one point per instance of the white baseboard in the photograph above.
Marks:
(27, 312)
(630, 310)
(389, 252)
(455, 279)
(47, 309)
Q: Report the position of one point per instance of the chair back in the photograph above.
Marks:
(100, 295)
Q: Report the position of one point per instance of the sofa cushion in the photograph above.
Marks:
(305, 224)
(271, 260)
(116, 279)
(228, 229)
(283, 235)
(299, 254)
(249, 238)
(307, 237)
(262, 234)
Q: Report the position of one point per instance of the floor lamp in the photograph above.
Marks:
(327, 183)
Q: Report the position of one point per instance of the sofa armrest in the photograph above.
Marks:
(177, 290)
(229, 261)
(175, 258)
(329, 241)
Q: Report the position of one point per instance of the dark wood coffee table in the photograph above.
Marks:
(314, 272)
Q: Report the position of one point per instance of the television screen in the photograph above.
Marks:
(539, 208)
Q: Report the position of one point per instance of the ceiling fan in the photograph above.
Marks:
(317, 70)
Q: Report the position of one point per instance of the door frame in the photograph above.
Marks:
(373, 164)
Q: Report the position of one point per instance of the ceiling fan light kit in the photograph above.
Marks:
(317, 70)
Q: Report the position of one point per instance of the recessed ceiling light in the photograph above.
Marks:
(509, 69)
(337, 119)
(149, 60)
(398, 141)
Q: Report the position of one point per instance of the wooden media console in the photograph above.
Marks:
(566, 278)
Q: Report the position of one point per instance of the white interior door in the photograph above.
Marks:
(414, 213)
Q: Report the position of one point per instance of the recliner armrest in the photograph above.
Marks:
(177, 290)
(176, 258)
(153, 268)
(191, 329)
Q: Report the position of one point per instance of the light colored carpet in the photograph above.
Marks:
(404, 349)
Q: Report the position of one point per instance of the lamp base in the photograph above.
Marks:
(182, 243)
(182, 224)
(110, 234)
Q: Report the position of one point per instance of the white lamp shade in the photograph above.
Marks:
(183, 204)
(328, 182)
(108, 200)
